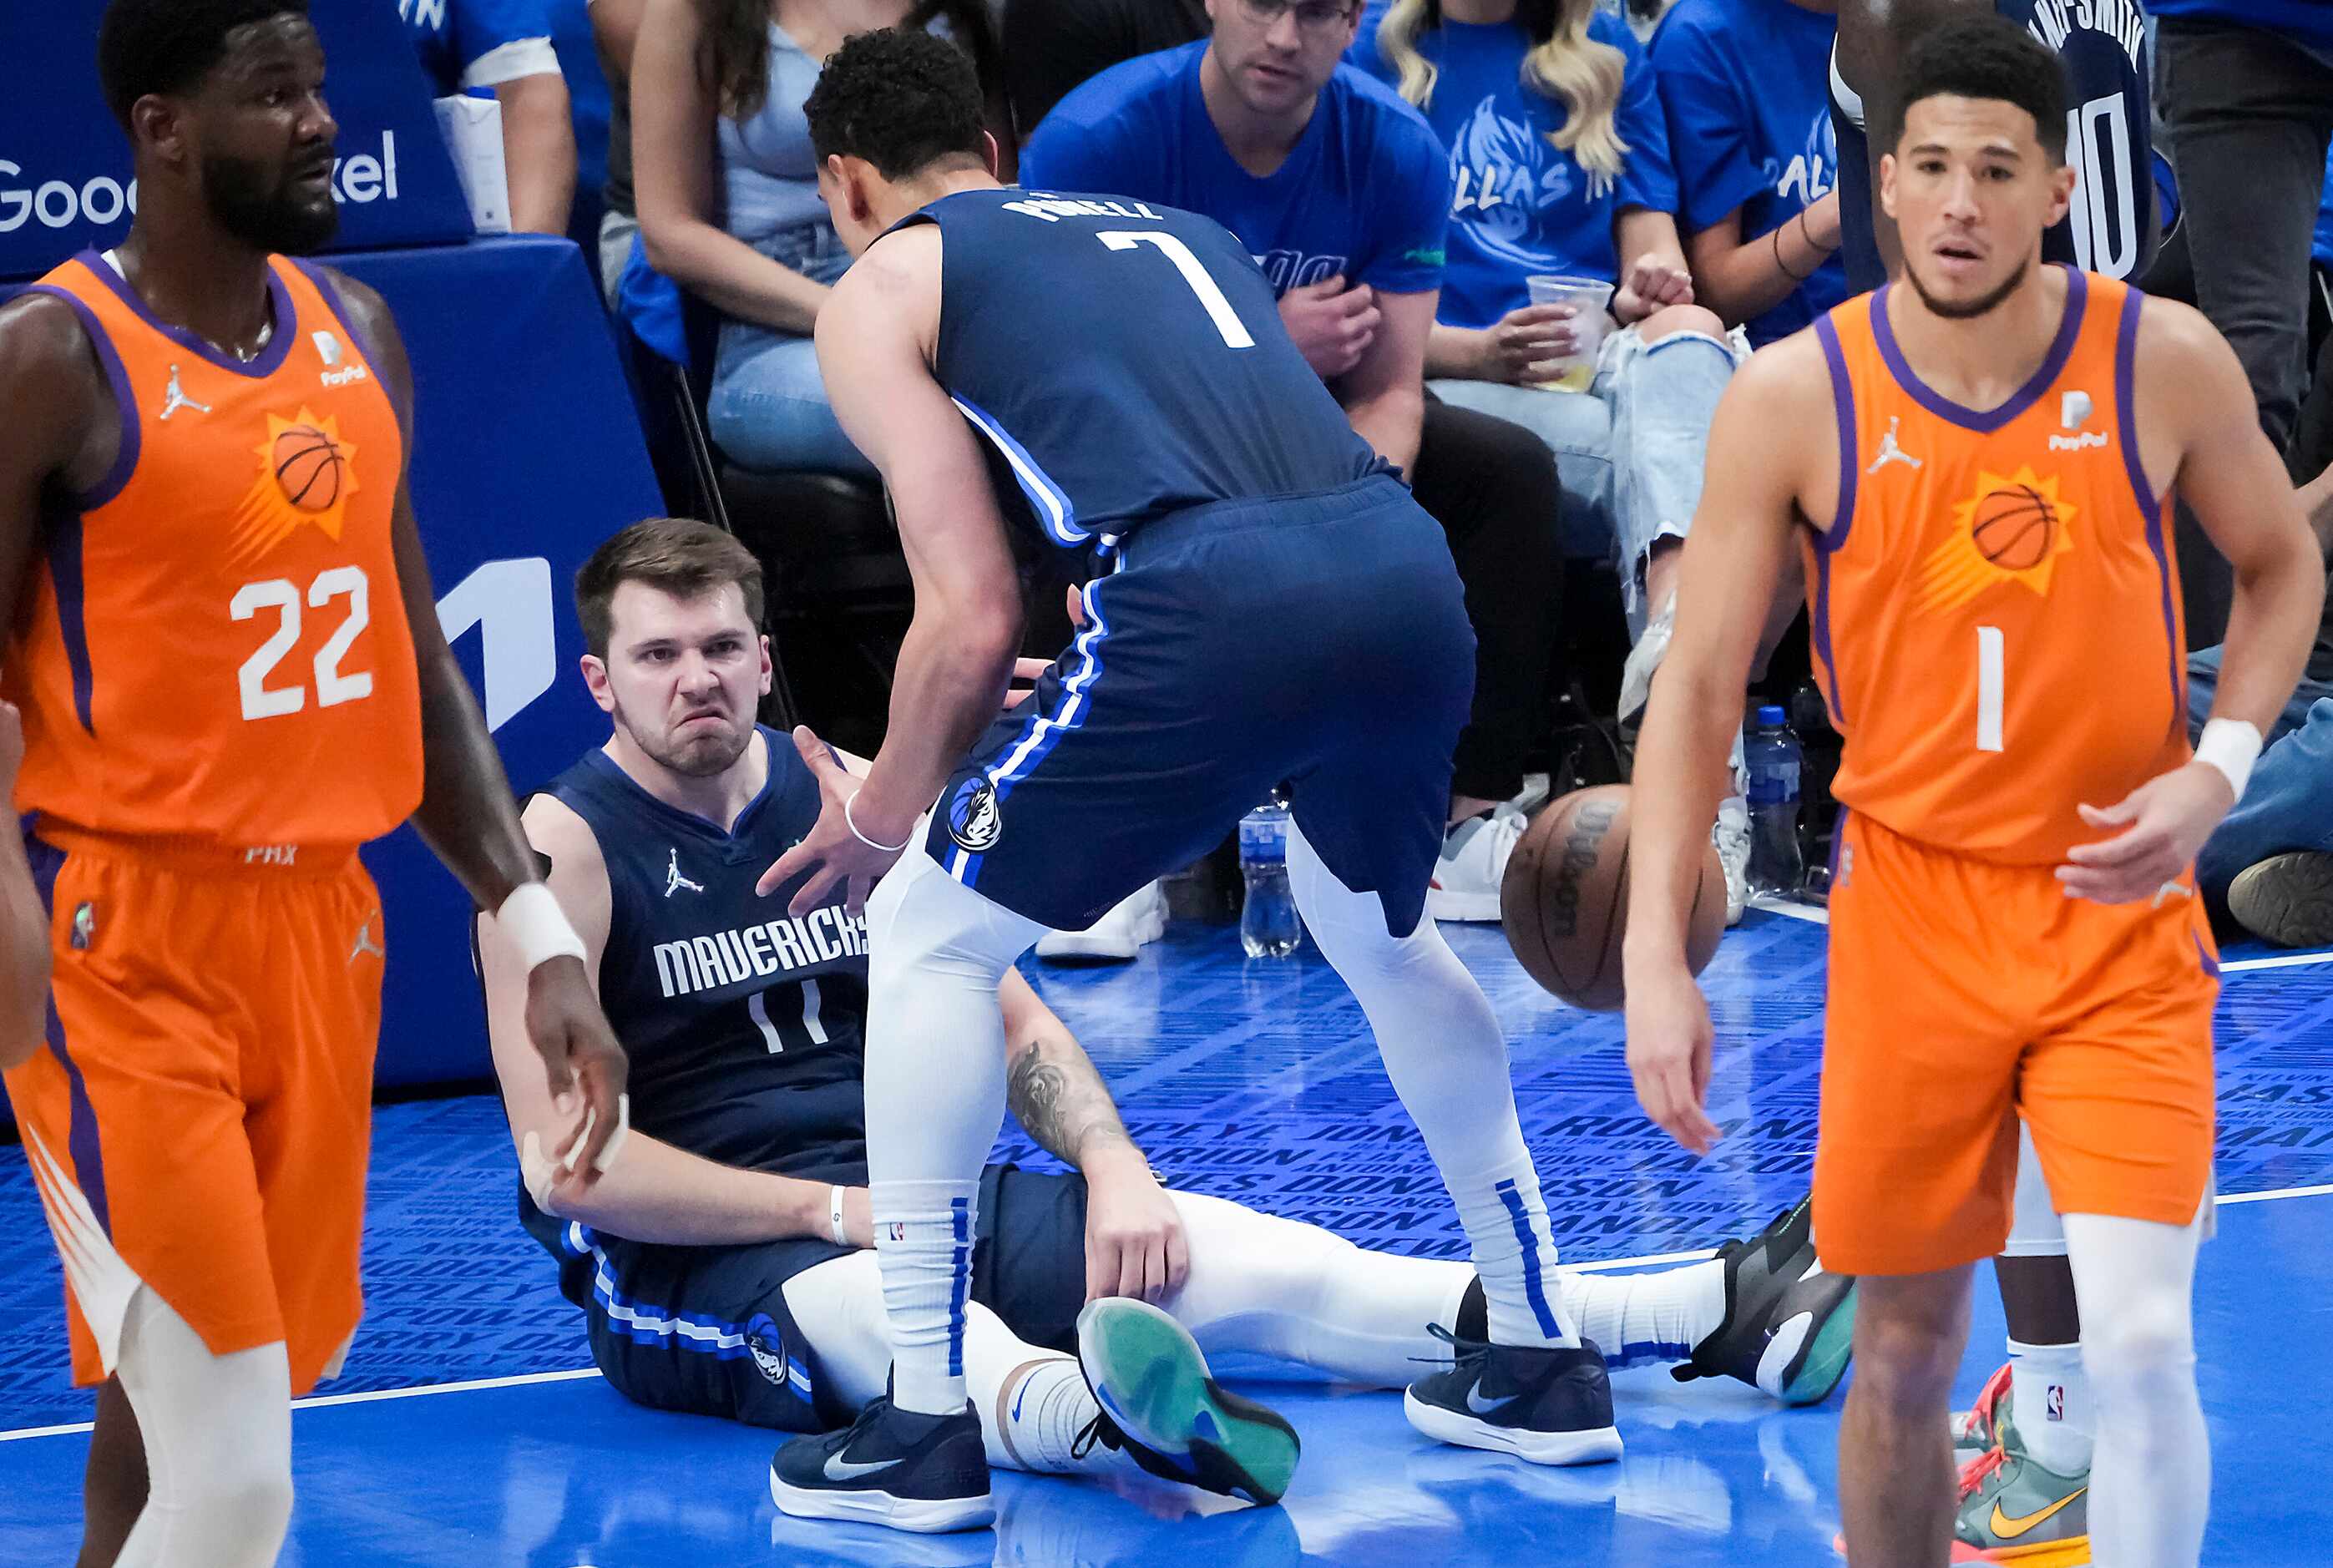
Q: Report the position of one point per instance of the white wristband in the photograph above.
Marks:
(531, 921)
(2232, 745)
(834, 1218)
(852, 823)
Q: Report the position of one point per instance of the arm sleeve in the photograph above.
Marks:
(1712, 132)
(1648, 179)
(1412, 221)
(499, 41)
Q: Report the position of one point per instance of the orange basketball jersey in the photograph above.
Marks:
(217, 646)
(1995, 607)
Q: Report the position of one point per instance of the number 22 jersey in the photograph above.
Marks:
(214, 645)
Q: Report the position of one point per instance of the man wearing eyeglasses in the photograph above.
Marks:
(1341, 192)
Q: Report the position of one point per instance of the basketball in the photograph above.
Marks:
(308, 468)
(2014, 528)
(1564, 900)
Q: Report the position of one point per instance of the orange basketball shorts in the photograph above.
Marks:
(199, 1119)
(1964, 994)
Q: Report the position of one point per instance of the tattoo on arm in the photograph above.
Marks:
(1060, 1102)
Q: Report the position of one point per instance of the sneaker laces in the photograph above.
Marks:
(1974, 1473)
(1460, 1345)
(1100, 1429)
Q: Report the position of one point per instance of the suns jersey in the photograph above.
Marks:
(215, 645)
(1995, 611)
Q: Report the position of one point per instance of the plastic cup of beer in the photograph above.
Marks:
(1592, 296)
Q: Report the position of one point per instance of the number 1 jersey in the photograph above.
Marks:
(1995, 611)
(1122, 360)
(214, 645)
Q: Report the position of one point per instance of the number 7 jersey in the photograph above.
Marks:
(214, 645)
(1995, 609)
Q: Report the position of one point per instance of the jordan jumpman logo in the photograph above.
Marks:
(364, 943)
(673, 881)
(174, 397)
(1889, 452)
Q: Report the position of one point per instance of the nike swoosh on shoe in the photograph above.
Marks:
(838, 1468)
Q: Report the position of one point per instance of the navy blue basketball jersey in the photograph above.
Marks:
(2112, 227)
(1123, 361)
(743, 1023)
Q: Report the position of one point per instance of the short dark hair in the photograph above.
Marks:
(1984, 57)
(901, 99)
(683, 557)
(170, 45)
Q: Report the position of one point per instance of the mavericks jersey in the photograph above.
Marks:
(1123, 361)
(1996, 616)
(742, 1021)
(214, 645)
(2112, 226)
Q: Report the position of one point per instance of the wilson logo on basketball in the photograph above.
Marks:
(2012, 530)
(306, 476)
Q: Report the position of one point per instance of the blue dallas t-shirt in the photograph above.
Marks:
(1747, 86)
(1363, 195)
(1518, 206)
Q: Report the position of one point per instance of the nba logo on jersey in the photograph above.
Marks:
(84, 927)
(2057, 1402)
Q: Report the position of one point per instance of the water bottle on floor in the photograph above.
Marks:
(1269, 928)
(1774, 757)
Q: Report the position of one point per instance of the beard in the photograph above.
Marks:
(1968, 310)
(701, 755)
(267, 218)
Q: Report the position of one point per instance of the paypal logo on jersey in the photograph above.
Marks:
(1809, 175)
(1503, 174)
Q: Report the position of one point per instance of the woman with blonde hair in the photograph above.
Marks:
(1559, 159)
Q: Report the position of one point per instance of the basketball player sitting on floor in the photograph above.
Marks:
(726, 1265)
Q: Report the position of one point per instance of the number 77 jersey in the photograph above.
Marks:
(215, 646)
(1122, 360)
(1995, 608)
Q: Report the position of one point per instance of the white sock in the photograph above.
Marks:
(2151, 1470)
(935, 1081)
(2050, 1406)
(1448, 1062)
(1040, 1408)
(925, 1252)
(1636, 1318)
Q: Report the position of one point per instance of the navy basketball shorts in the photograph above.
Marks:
(705, 1330)
(1319, 641)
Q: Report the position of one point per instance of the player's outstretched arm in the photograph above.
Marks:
(656, 1193)
(1134, 1244)
(2198, 432)
(23, 923)
(1734, 555)
(874, 341)
(470, 821)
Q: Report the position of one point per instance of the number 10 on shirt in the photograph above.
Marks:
(1219, 309)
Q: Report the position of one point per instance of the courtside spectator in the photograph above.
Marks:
(615, 23)
(1746, 85)
(1338, 189)
(726, 189)
(504, 47)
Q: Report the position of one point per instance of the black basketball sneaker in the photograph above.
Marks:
(1788, 1326)
(1161, 1406)
(892, 1467)
(1541, 1403)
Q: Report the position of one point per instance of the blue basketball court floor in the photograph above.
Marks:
(469, 1429)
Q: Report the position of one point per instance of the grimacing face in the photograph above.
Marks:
(1972, 190)
(683, 678)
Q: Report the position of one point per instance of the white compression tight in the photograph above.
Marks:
(217, 1431)
(2151, 1473)
(1258, 1284)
